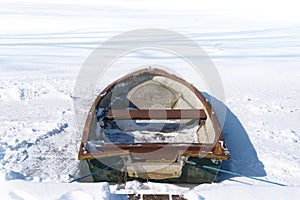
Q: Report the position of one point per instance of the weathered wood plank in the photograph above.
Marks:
(158, 114)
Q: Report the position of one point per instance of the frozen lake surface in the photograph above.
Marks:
(44, 44)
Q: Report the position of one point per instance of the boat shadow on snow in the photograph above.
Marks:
(243, 156)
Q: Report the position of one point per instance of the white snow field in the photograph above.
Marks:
(255, 47)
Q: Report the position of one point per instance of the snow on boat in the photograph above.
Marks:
(149, 125)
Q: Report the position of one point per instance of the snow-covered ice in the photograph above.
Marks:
(64, 191)
(254, 46)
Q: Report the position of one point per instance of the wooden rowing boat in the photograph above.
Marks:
(148, 125)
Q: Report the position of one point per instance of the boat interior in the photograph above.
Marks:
(151, 108)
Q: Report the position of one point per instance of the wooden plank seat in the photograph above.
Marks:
(146, 114)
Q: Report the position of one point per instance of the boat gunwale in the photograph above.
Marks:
(218, 152)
